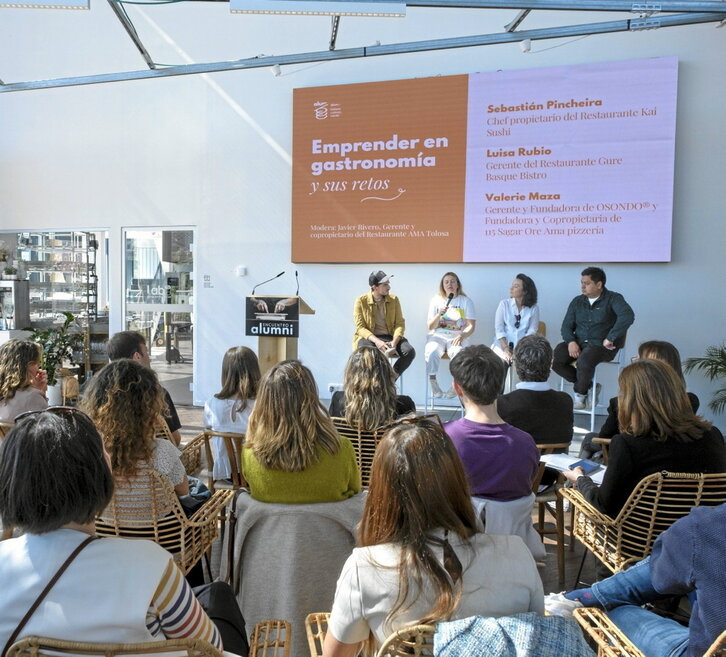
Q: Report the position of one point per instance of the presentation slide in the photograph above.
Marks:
(563, 164)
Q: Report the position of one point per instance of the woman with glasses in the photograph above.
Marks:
(55, 478)
(420, 558)
(22, 383)
(658, 431)
(516, 317)
(293, 454)
(451, 320)
(369, 399)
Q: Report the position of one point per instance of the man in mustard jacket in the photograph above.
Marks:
(379, 322)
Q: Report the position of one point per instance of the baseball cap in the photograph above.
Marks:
(378, 277)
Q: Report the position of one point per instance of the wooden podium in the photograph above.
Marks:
(275, 346)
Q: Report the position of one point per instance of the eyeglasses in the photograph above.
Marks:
(413, 419)
(56, 410)
(517, 319)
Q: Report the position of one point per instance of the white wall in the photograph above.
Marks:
(213, 152)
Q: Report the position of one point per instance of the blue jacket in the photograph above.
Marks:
(691, 556)
(609, 317)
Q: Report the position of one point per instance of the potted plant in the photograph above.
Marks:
(713, 365)
(57, 343)
(10, 273)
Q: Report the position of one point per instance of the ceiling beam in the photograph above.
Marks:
(608, 27)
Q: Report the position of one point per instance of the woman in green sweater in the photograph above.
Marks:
(293, 454)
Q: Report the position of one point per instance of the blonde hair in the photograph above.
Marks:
(459, 289)
(653, 402)
(288, 422)
(126, 403)
(370, 393)
(240, 377)
(15, 358)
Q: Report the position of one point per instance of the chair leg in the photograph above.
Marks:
(560, 525)
(576, 583)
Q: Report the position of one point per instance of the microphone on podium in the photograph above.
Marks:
(267, 281)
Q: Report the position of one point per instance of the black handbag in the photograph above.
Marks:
(221, 606)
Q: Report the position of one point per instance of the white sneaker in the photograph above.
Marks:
(579, 401)
(556, 604)
(435, 390)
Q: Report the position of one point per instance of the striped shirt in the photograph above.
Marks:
(174, 612)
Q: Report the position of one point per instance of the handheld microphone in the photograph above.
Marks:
(267, 281)
(297, 284)
(448, 301)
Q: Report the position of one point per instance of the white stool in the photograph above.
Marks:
(619, 361)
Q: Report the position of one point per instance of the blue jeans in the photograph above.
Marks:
(622, 594)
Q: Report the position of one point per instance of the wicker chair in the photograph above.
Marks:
(34, 646)
(611, 642)
(191, 453)
(271, 638)
(604, 446)
(364, 444)
(654, 505)
(316, 627)
(414, 641)
(233, 443)
(145, 506)
(542, 500)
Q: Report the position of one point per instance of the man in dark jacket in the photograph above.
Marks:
(593, 330)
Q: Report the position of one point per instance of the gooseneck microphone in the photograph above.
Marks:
(267, 281)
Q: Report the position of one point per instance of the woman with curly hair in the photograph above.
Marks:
(369, 399)
(126, 403)
(229, 410)
(293, 454)
(22, 383)
(420, 558)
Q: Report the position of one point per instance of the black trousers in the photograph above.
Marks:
(406, 353)
(590, 356)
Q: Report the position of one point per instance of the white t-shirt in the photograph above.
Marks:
(453, 322)
(218, 415)
(500, 579)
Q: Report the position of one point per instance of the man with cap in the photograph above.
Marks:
(379, 322)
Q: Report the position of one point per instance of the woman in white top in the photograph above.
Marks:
(516, 317)
(229, 410)
(420, 558)
(22, 383)
(451, 320)
(126, 403)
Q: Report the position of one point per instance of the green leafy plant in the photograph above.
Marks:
(10, 271)
(713, 365)
(57, 343)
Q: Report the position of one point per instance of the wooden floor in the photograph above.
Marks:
(192, 423)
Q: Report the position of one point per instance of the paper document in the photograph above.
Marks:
(561, 462)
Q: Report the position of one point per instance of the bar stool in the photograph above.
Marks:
(432, 403)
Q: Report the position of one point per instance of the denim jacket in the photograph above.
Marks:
(609, 317)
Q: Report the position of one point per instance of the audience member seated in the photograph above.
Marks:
(369, 399)
(659, 432)
(229, 410)
(293, 454)
(654, 350)
(130, 344)
(688, 558)
(420, 557)
(125, 401)
(55, 479)
(500, 460)
(545, 414)
(22, 383)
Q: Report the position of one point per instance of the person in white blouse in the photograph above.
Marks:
(516, 317)
(451, 320)
(229, 410)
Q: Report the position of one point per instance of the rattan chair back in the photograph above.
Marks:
(316, 627)
(364, 444)
(34, 646)
(233, 444)
(414, 641)
(271, 638)
(654, 505)
(146, 506)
